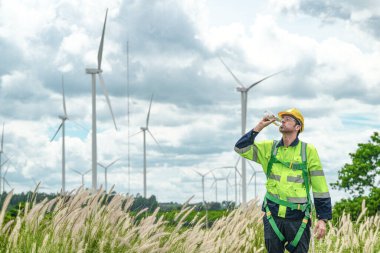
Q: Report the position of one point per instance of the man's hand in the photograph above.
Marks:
(320, 229)
(263, 123)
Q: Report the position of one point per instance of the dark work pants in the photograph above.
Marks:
(289, 229)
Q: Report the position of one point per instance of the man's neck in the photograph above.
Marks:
(288, 138)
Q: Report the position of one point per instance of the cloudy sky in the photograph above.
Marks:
(329, 51)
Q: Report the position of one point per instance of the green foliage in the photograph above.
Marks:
(354, 206)
(361, 173)
(140, 203)
(359, 176)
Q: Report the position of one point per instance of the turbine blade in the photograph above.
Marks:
(100, 51)
(237, 162)
(107, 97)
(229, 70)
(155, 140)
(252, 167)
(147, 117)
(2, 139)
(197, 173)
(101, 165)
(109, 165)
(77, 171)
(59, 128)
(63, 98)
(250, 180)
(6, 181)
(254, 84)
(87, 171)
(6, 171)
(4, 162)
(134, 134)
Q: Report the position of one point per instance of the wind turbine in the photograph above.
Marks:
(203, 183)
(5, 180)
(1, 154)
(82, 174)
(254, 175)
(38, 185)
(236, 172)
(105, 171)
(244, 94)
(63, 118)
(144, 130)
(216, 185)
(93, 72)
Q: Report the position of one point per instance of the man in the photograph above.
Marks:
(292, 167)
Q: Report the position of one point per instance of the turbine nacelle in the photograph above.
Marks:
(143, 128)
(241, 89)
(93, 71)
(63, 117)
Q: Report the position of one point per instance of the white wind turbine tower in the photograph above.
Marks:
(144, 130)
(244, 94)
(227, 183)
(82, 175)
(105, 171)
(63, 118)
(93, 72)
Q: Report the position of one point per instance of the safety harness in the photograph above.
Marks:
(306, 207)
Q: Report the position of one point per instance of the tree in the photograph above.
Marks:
(361, 174)
(357, 177)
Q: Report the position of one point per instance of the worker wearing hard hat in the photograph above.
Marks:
(293, 169)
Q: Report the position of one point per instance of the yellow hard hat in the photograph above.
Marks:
(296, 114)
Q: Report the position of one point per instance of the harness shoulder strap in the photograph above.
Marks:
(272, 159)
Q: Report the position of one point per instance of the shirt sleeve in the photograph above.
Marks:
(321, 194)
(257, 151)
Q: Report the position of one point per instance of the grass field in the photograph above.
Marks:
(82, 222)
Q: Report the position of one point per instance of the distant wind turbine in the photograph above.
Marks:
(93, 72)
(38, 185)
(82, 174)
(236, 172)
(5, 180)
(254, 175)
(1, 155)
(216, 185)
(227, 183)
(63, 118)
(105, 171)
(144, 130)
(244, 95)
(203, 183)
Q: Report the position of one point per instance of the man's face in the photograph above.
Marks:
(289, 124)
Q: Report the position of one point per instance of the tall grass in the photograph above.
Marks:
(86, 221)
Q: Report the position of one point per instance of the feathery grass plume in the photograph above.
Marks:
(5, 206)
(87, 221)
